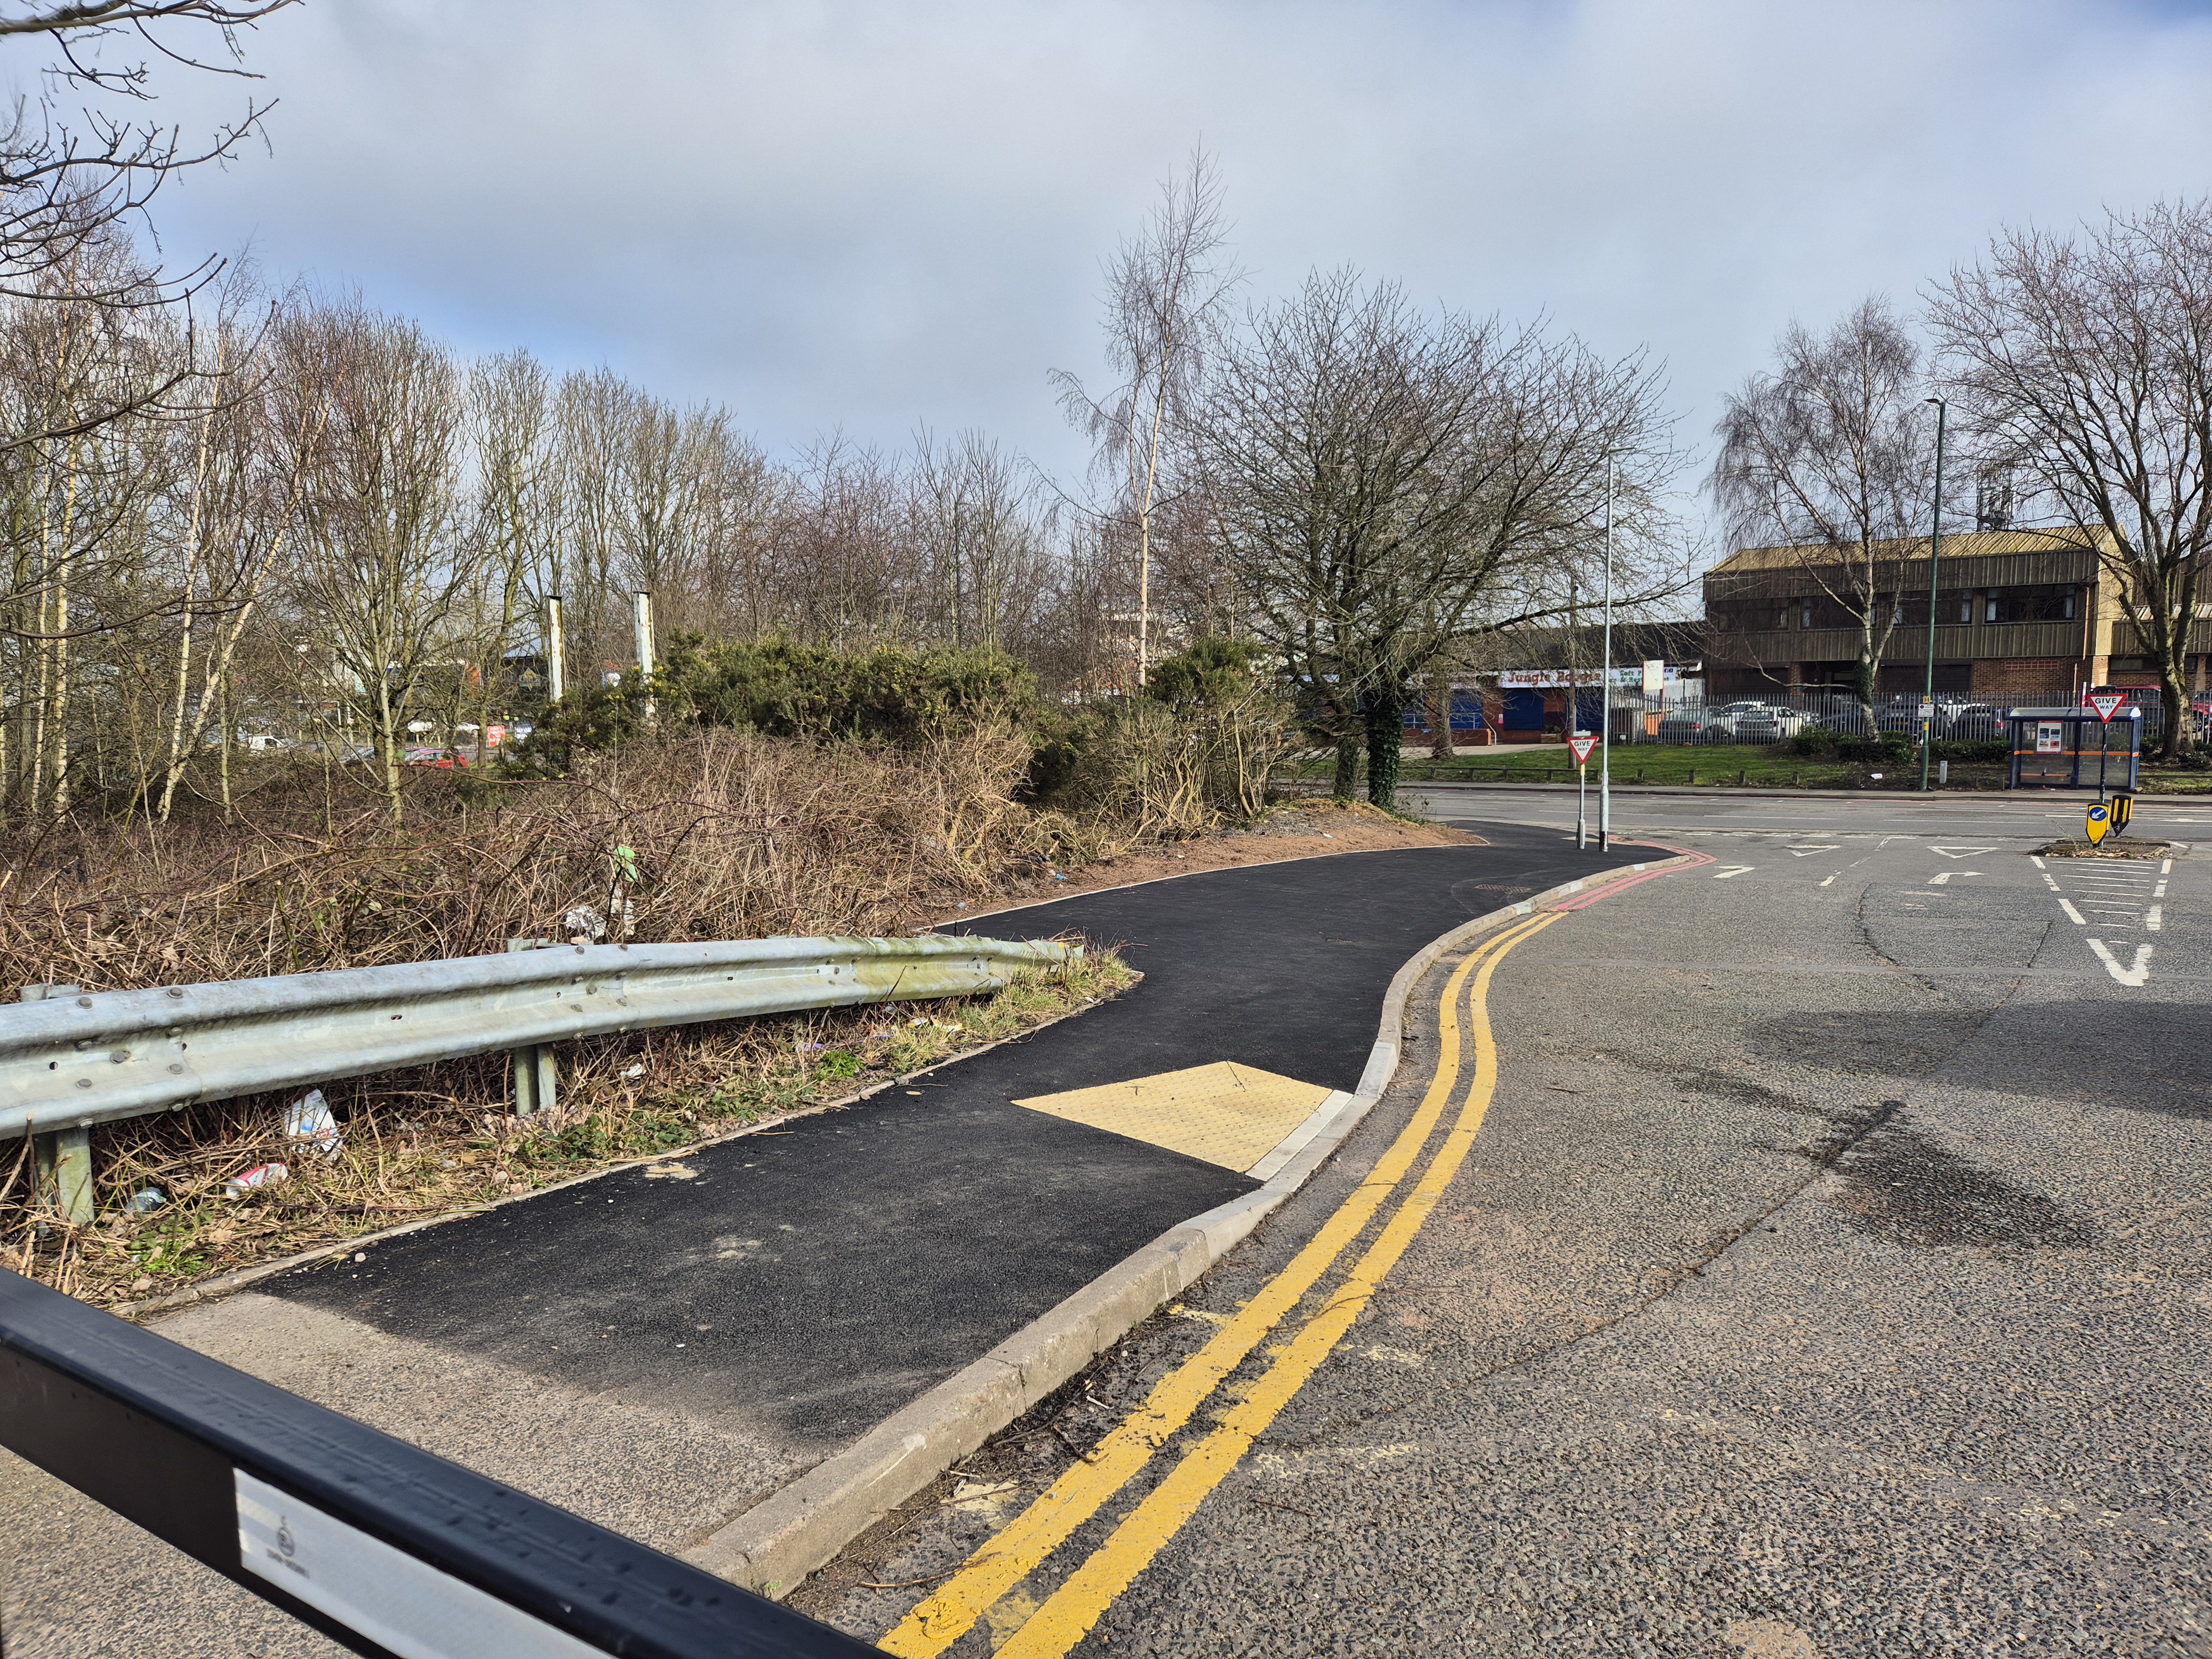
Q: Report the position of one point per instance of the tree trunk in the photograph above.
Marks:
(2180, 711)
(1347, 765)
(1440, 711)
(1863, 684)
(1386, 737)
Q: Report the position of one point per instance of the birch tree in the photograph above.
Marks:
(1168, 291)
(383, 575)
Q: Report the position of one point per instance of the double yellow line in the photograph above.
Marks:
(1068, 1614)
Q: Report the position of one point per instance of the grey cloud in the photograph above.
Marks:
(877, 215)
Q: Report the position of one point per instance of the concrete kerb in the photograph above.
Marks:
(770, 1547)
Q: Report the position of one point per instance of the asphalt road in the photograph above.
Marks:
(661, 1347)
(1830, 1277)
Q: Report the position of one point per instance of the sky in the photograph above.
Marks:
(870, 216)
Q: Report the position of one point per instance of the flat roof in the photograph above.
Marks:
(1968, 544)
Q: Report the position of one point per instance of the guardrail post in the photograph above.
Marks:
(63, 1158)
(537, 1073)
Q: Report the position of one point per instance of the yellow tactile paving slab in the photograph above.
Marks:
(1225, 1113)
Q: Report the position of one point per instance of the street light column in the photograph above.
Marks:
(1935, 560)
(1605, 684)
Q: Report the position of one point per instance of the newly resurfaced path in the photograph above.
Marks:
(661, 1348)
(1829, 1275)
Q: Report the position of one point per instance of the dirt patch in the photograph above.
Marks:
(1307, 829)
(2111, 849)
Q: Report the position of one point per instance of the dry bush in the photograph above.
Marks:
(714, 835)
(1150, 772)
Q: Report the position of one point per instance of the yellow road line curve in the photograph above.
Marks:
(949, 1611)
(1068, 1615)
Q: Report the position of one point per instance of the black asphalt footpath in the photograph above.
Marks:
(811, 1281)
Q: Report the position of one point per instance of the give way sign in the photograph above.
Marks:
(1580, 747)
(2105, 702)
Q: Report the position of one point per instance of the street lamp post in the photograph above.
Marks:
(1935, 559)
(1605, 684)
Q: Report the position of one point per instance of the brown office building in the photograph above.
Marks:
(2021, 616)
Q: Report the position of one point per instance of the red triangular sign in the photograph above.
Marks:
(1582, 747)
(2105, 702)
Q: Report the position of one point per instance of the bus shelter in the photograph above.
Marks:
(2072, 749)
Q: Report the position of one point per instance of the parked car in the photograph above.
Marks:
(444, 759)
(1759, 722)
(1971, 722)
(1688, 726)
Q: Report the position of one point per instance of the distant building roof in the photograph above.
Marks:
(1963, 544)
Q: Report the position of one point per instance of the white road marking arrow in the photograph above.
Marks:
(1944, 878)
(1733, 870)
(1961, 852)
(2135, 976)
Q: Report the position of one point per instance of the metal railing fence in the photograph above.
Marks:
(1768, 718)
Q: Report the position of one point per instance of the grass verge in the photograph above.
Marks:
(441, 1142)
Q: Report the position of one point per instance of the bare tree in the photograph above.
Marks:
(1167, 295)
(1387, 484)
(72, 169)
(382, 574)
(2084, 365)
(233, 506)
(976, 528)
(1833, 454)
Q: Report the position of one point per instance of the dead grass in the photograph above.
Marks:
(440, 1141)
(720, 835)
(2113, 847)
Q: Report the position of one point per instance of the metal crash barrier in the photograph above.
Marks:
(70, 1059)
(390, 1551)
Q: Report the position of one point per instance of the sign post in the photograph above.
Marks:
(1579, 746)
(2106, 703)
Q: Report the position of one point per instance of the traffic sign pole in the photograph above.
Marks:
(2106, 703)
(1579, 745)
(1582, 808)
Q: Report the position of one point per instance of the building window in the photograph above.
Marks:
(1807, 622)
(1966, 606)
(2052, 602)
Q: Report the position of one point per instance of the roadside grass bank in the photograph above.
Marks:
(440, 1141)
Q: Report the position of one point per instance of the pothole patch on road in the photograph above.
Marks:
(1900, 1185)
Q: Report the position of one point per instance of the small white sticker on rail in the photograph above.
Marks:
(404, 1605)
